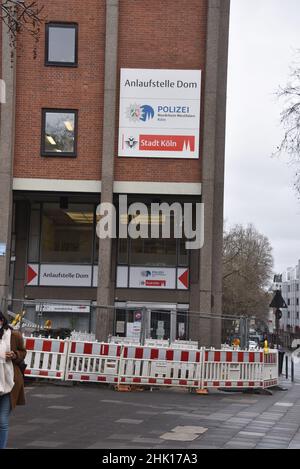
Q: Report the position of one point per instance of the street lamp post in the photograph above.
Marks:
(277, 303)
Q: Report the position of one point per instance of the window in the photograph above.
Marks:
(183, 256)
(59, 132)
(155, 252)
(67, 234)
(62, 44)
(123, 251)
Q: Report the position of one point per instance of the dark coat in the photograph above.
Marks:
(17, 395)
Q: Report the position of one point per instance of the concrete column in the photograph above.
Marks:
(209, 331)
(217, 264)
(7, 135)
(105, 288)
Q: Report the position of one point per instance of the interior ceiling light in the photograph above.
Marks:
(80, 217)
(51, 140)
(69, 126)
(143, 219)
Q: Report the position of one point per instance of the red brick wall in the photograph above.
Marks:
(56, 87)
(152, 34)
(167, 34)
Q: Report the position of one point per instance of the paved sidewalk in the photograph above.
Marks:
(95, 416)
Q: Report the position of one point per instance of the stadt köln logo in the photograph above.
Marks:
(131, 142)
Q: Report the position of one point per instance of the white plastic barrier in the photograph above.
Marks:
(160, 367)
(232, 369)
(83, 336)
(46, 358)
(124, 340)
(157, 343)
(271, 372)
(93, 361)
(184, 345)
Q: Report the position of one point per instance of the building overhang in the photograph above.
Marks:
(94, 186)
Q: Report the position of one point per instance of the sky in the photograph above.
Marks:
(264, 38)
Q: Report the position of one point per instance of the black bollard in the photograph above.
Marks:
(292, 370)
(287, 367)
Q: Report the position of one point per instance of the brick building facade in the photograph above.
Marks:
(49, 194)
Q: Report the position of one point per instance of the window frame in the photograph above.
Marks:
(43, 133)
(66, 25)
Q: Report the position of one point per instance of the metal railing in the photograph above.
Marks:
(128, 324)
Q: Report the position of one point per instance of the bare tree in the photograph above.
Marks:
(290, 119)
(247, 270)
(19, 16)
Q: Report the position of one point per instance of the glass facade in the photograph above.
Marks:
(153, 252)
(67, 234)
(128, 323)
(64, 233)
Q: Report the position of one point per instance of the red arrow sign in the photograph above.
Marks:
(184, 278)
(31, 274)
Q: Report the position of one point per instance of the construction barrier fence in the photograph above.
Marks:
(132, 364)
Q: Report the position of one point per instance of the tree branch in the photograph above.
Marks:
(21, 15)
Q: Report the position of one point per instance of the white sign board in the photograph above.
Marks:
(148, 277)
(65, 275)
(62, 308)
(134, 330)
(159, 113)
(153, 277)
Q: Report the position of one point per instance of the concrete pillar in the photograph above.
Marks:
(217, 264)
(209, 331)
(7, 131)
(105, 287)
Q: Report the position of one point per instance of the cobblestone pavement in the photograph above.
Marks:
(95, 416)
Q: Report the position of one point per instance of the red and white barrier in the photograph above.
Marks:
(93, 361)
(271, 372)
(160, 367)
(46, 358)
(232, 369)
(151, 366)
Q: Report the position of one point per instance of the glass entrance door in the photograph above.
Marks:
(160, 324)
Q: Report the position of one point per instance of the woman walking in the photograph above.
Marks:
(12, 354)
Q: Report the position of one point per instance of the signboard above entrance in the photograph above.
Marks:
(159, 113)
